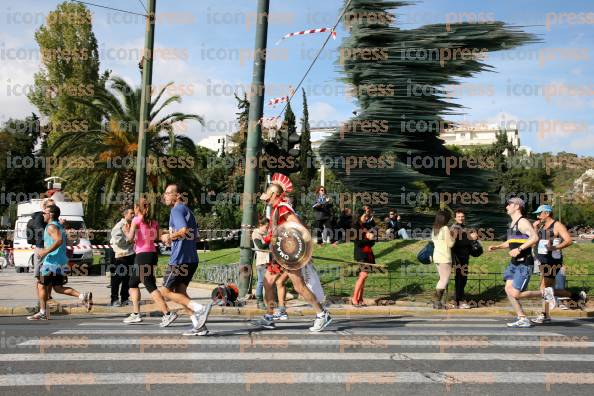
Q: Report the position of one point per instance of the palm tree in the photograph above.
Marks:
(112, 149)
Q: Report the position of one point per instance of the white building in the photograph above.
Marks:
(477, 135)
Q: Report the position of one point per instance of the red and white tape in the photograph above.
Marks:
(80, 247)
(275, 101)
(310, 31)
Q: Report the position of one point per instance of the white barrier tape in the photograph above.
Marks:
(31, 247)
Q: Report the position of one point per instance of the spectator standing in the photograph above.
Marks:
(345, 224)
(124, 259)
(262, 259)
(463, 240)
(363, 252)
(442, 255)
(323, 215)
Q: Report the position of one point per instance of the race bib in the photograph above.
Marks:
(542, 246)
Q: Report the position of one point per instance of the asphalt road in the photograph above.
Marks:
(97, 355)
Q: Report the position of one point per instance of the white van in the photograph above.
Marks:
(72, 214)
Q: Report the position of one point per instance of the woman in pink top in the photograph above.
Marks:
(144, 231)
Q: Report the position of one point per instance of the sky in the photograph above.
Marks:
(206, 48)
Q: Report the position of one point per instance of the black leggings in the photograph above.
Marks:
(143, 271)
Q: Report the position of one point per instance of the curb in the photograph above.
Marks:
(343, 311)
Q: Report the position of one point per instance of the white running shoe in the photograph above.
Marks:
(321, 322)
(521, 323)
(541, 319)
(38, 316)
(202, 316)
(549, 296)
(265, 321)
(133, 318)
(196, 332)
(280, 315)
(88, 300)
(583, 296)
(167, 319)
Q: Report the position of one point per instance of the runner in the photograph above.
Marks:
(520, 239)
(52, 273)
(283, 212)
(35, 229)
(183, 263)
(554, 237)
(143, 231)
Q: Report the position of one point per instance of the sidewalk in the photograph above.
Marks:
(17, 297)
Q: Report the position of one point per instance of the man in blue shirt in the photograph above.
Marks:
(182, 237)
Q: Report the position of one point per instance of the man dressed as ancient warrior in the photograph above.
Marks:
(285, 246)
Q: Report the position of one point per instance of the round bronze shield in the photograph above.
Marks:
(291, 245)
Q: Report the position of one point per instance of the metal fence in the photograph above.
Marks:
(338, 280)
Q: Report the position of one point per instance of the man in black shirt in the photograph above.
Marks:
(35, 228)
(461, 255)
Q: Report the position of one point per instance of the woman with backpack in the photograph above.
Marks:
(442, 254)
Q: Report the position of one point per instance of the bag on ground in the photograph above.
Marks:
(225, 295)
(425, 255)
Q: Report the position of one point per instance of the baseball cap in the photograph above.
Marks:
(544, 208)
(517, 201)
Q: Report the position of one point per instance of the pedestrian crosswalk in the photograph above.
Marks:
(354, 353)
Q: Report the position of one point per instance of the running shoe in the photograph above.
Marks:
(549, 296)
(521, 323)
(541, 319)
(116, 303)
(202, 316)
(38, 316)
(463, 306)
(167, 319)
(88, 300)
(265, 321)
(196, 332)
(133, 318)
(321, 322)
(280, 315)
(261, 305)
(583, 296)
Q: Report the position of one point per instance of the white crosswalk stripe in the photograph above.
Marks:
(284, 378)
(442, 349)
(147, 356)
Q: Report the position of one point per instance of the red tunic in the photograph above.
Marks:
(279, 215)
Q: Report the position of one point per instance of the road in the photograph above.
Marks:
(98, 355)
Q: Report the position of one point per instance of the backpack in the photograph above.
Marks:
(476, 249)
(225, 295)
(31, 240)
(425, 256)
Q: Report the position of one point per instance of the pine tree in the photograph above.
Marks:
(308, 169)
(239, 138)
(409, 125)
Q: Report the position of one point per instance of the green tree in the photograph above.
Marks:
(308, 169)
(113, 147)
(406, 122)
(239, 138)
(21, 165)
(70, 70)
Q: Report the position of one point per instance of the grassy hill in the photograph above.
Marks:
(404, 278)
